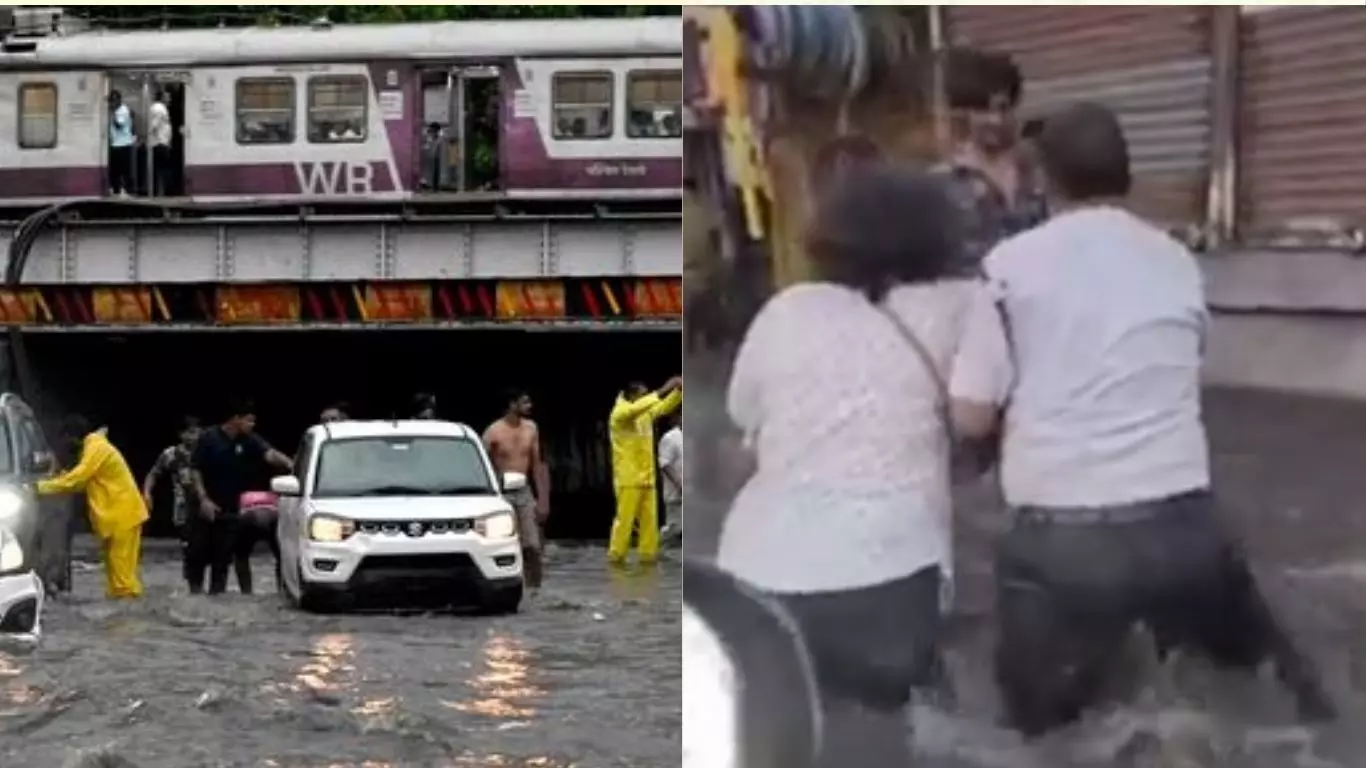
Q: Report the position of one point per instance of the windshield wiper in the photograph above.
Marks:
(392, 490)
(461, 490)
(413, 490)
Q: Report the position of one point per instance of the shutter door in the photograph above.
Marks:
(1151, 65)
(1302, 123)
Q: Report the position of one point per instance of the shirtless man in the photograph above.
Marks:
(514, 445)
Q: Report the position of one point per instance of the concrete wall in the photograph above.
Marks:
(1289, 320)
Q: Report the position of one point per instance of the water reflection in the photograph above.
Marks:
(633, 583)
(503, 690)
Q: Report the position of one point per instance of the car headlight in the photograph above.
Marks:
(11, 505)
(328, 528)
(499, 525)
(11, 554)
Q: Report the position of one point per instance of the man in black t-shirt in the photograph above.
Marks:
(226, 461)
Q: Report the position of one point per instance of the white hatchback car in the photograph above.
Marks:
(379, 509)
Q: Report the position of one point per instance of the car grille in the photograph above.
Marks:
(414, 529)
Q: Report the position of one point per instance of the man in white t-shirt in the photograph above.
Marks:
(1093, 346)
(160, 133)
(671, 476)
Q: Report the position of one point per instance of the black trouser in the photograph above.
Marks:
(870, 648)
(161, 170)
(250, 530)
(121, 169)
(212, 546)
(1072, 584)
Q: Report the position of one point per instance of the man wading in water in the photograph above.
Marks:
(514, 446)
(1092, 347)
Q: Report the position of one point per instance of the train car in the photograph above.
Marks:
(584, 109)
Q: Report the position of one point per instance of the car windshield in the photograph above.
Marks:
(401, 466)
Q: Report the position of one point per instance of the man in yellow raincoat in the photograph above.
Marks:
(117, 510)
(631, 428)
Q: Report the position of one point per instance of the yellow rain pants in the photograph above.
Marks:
(631, 428)
(117, 511)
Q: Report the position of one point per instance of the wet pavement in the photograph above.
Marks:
(586, 676)
(1291, 475)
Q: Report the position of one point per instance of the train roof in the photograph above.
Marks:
(369, 42)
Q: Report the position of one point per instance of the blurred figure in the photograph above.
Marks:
(334, 413)
(174, 463)
(838, 391)
(631, 427)
(514, 446)
(991, 179)
(1094, 346)
(117, 510)
(160, 134)
(671, 474)
(121, 145)
(227, 460)
(424, 406)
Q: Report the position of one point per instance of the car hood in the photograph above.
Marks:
(411, 507)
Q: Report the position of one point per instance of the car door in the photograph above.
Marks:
(54, 526)
(291, 507)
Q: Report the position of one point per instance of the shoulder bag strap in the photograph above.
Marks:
(927, 361)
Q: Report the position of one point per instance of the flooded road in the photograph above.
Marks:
(1290, 472)
(586, 676)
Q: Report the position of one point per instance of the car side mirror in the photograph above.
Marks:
(286, 485)
(41, 463)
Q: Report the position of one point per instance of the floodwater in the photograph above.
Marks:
(586, 676)
(1290, 472)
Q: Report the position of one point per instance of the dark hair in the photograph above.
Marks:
(339, 405)
(1084, 154)
(188, 423)
(513, 394)
(423, 401)
(241, 407)
(74, 427)
(114, 94)
(633, 385)
(879, 226)
(972, 77)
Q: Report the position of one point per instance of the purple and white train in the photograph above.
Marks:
(519, 109)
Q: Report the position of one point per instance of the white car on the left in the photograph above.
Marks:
(24, 459)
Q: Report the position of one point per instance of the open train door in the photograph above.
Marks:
(154, 173)
(460, 129)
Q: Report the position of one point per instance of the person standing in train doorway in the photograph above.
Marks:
(631, 428)
(121, 144)
(514, 446)
(159, 136)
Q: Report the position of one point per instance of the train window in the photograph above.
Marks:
(265, 110)
(337, 109)
(654, 104)
(581, 105)
(37, 116)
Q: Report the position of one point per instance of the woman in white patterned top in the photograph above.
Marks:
(847, 518)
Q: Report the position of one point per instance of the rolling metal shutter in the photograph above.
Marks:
(1302, 171)
(1151, 65)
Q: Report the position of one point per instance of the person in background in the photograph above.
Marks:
(227, 460)
(514, 446)
(115, 503)
(160, 133)
(631, 429)
(1090, 351)
(671, 473)
(991, 179)
(424, 406)
(837, 390)
(174, 463)
(334, 413)
(121, 145)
